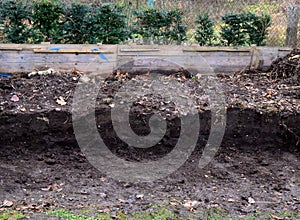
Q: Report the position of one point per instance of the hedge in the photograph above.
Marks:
(80, 23)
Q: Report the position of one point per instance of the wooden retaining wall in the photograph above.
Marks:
(101, 59)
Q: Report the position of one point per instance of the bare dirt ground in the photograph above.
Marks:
(257, 168)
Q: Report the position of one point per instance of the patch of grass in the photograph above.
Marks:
(11, 215)
(164, 213)
(285, 215)
(155, 214)
(64, 214)
(215, 214)
(160, 214)
(254, 216)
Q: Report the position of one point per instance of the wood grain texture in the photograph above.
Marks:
(87, 58)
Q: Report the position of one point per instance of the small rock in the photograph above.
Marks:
(7, 203)
(129, 201)
(191, 204)
(231, 200)
(127, 185)
(50, 161)
(61, 101)
(41, 72)
(277, 217)
(182, 181)
(112, 105)
(103, 195)
(139, 196)
(251, 200)
(52, 187)
(107, 100)
(264, 163)
(84, 79)
(14, 98)
(84, 192)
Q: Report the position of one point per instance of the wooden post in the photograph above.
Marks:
(292, 26)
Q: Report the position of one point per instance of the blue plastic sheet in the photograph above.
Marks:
(6, 75)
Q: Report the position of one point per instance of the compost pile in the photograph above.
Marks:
(287, 67)
(259, 91)
(155, 100)
(21, 93)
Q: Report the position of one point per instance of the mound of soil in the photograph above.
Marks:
(256, 168)
(287, 67)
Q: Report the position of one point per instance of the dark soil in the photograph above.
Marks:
(257, 167)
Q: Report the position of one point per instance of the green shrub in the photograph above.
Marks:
(47, 15)
(107, 24)
(53, 20)
(160, 26)
(233, 32)
(204, 30)
(15, 17)
(245, 29)
(257, 29)
(75, 23)
(176, 30)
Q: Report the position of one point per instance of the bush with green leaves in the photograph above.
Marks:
(160, 26)
(15, 16)
(204, 33)
(107, 24)
(245, 29)
(258, 28)
(46, 17)
(233, 31)
(75, 23)
(176, 30)
(59, 22)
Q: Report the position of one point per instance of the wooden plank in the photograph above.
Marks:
(149, 50)
(217, 49)
(96, 68)
(24, 58)
(29, 56)
(139, 50)
(203, 64)
(112, 48)
(220, 54)
(19, 47)
(72, 51)
(9, 48)
(174, 54)
(285, 49)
